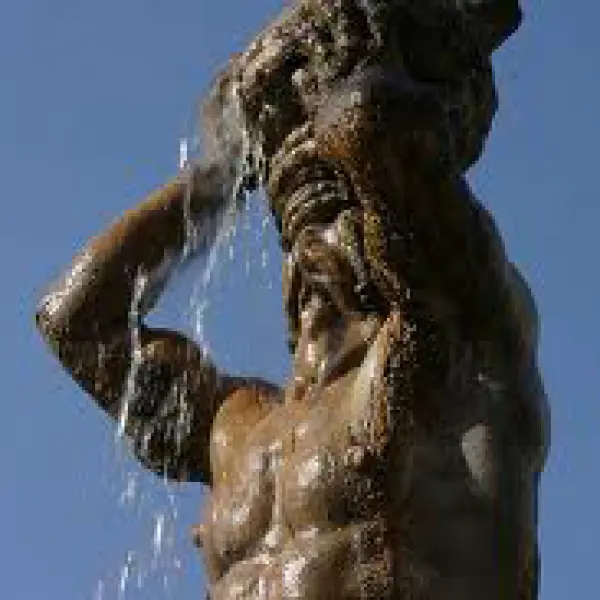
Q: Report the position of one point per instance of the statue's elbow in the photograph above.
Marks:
(54, 321)
(46, 323)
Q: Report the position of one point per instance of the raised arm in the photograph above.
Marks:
(157, 383)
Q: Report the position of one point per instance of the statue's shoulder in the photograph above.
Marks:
(519, 292)
(252, 396)
(524, 306)
(246, 405)
(240, 414)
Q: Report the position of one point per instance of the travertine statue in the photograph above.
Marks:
(402, 458)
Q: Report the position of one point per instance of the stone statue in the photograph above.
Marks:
(402, 459)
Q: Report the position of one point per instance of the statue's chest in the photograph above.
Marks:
(334, 475)
(306, 469)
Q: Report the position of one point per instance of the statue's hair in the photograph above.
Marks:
(429, 32)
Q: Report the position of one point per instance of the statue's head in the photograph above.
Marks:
(420, 69)
(288, 71)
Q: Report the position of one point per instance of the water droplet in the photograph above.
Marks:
(159, 524)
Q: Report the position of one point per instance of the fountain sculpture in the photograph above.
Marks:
(402, 458)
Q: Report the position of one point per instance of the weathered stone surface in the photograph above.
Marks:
(402, 458)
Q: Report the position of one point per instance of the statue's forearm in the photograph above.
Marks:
(120, 271)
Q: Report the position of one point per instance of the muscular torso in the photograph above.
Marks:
(325, 496)
(339, 489)
(288, 516)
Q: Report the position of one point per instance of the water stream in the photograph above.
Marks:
(238, 232)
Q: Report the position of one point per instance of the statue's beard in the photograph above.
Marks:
(322, 225)
(328, 259)
(317, 200)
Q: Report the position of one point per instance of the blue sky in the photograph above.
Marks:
(94, 101)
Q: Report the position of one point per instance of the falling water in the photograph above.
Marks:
(240, 211)
(155, 562)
